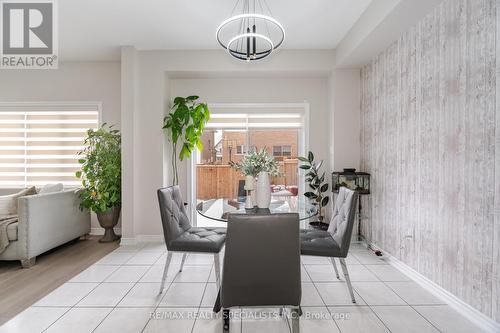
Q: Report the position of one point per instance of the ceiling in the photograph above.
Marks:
(95, 29)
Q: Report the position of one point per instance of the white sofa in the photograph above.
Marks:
(45, 221)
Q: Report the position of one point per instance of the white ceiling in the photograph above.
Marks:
(95, 29)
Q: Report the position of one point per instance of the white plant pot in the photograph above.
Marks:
(263, 190)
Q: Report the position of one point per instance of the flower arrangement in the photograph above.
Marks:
(255, 162)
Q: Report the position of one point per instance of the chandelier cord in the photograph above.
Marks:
(267, 6)
(234, 8)
(265, 22)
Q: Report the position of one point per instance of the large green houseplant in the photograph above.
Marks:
(317, 185)
(185, 124)
(101, 177)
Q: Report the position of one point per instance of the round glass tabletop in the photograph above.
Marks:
(219, 209)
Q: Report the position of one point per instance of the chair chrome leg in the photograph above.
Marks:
(217, 268)
(295, 320)
(184, 255)
(335, 267)
(165, 271)
(347, 278)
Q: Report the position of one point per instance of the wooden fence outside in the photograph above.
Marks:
(221, 181)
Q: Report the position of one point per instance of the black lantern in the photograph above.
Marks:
(356, 181)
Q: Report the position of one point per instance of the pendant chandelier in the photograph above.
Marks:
(253, 34)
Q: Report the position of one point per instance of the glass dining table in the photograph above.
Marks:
(219, 209)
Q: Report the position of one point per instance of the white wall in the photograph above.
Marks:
(345, 94)
(128, 100)
(73, 81)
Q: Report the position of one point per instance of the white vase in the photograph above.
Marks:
(263, 190)
(253, 194)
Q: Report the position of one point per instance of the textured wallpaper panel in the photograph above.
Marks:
(430, 132)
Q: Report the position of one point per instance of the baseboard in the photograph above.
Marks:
(139, 239)
(128, 241)
(98, 231)
(474, 315)
(150, 238)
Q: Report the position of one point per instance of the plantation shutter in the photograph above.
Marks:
(39, 142)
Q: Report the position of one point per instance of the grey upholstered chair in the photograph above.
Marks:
(180, 236)
(261, 264)
(335, 242)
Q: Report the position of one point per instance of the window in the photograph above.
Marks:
(282, 151)
(240, 150)
(276, 150)
(39, 142)
(286, 151)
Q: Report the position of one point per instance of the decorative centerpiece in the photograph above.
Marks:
(101, 178)
(258, 165)
(317, 186)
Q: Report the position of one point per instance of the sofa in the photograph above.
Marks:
(46, 220)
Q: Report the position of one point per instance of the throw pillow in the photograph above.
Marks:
(51, 188)
(8, 203)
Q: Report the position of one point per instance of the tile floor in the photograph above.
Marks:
(120, 294)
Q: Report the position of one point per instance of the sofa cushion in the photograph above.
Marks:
(51, 188)
(8, 203)
(12, 231)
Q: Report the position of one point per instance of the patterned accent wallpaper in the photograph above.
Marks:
(430, 136)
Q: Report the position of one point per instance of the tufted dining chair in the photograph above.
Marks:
(261, 265)
(180, 236)
(334, 242)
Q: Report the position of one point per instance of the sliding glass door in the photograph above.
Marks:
(229, 136)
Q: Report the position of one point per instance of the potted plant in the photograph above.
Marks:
(101, 177)
(185, 124)
(259, 164)
(317, 186)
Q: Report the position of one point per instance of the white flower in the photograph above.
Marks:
(255, 162)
